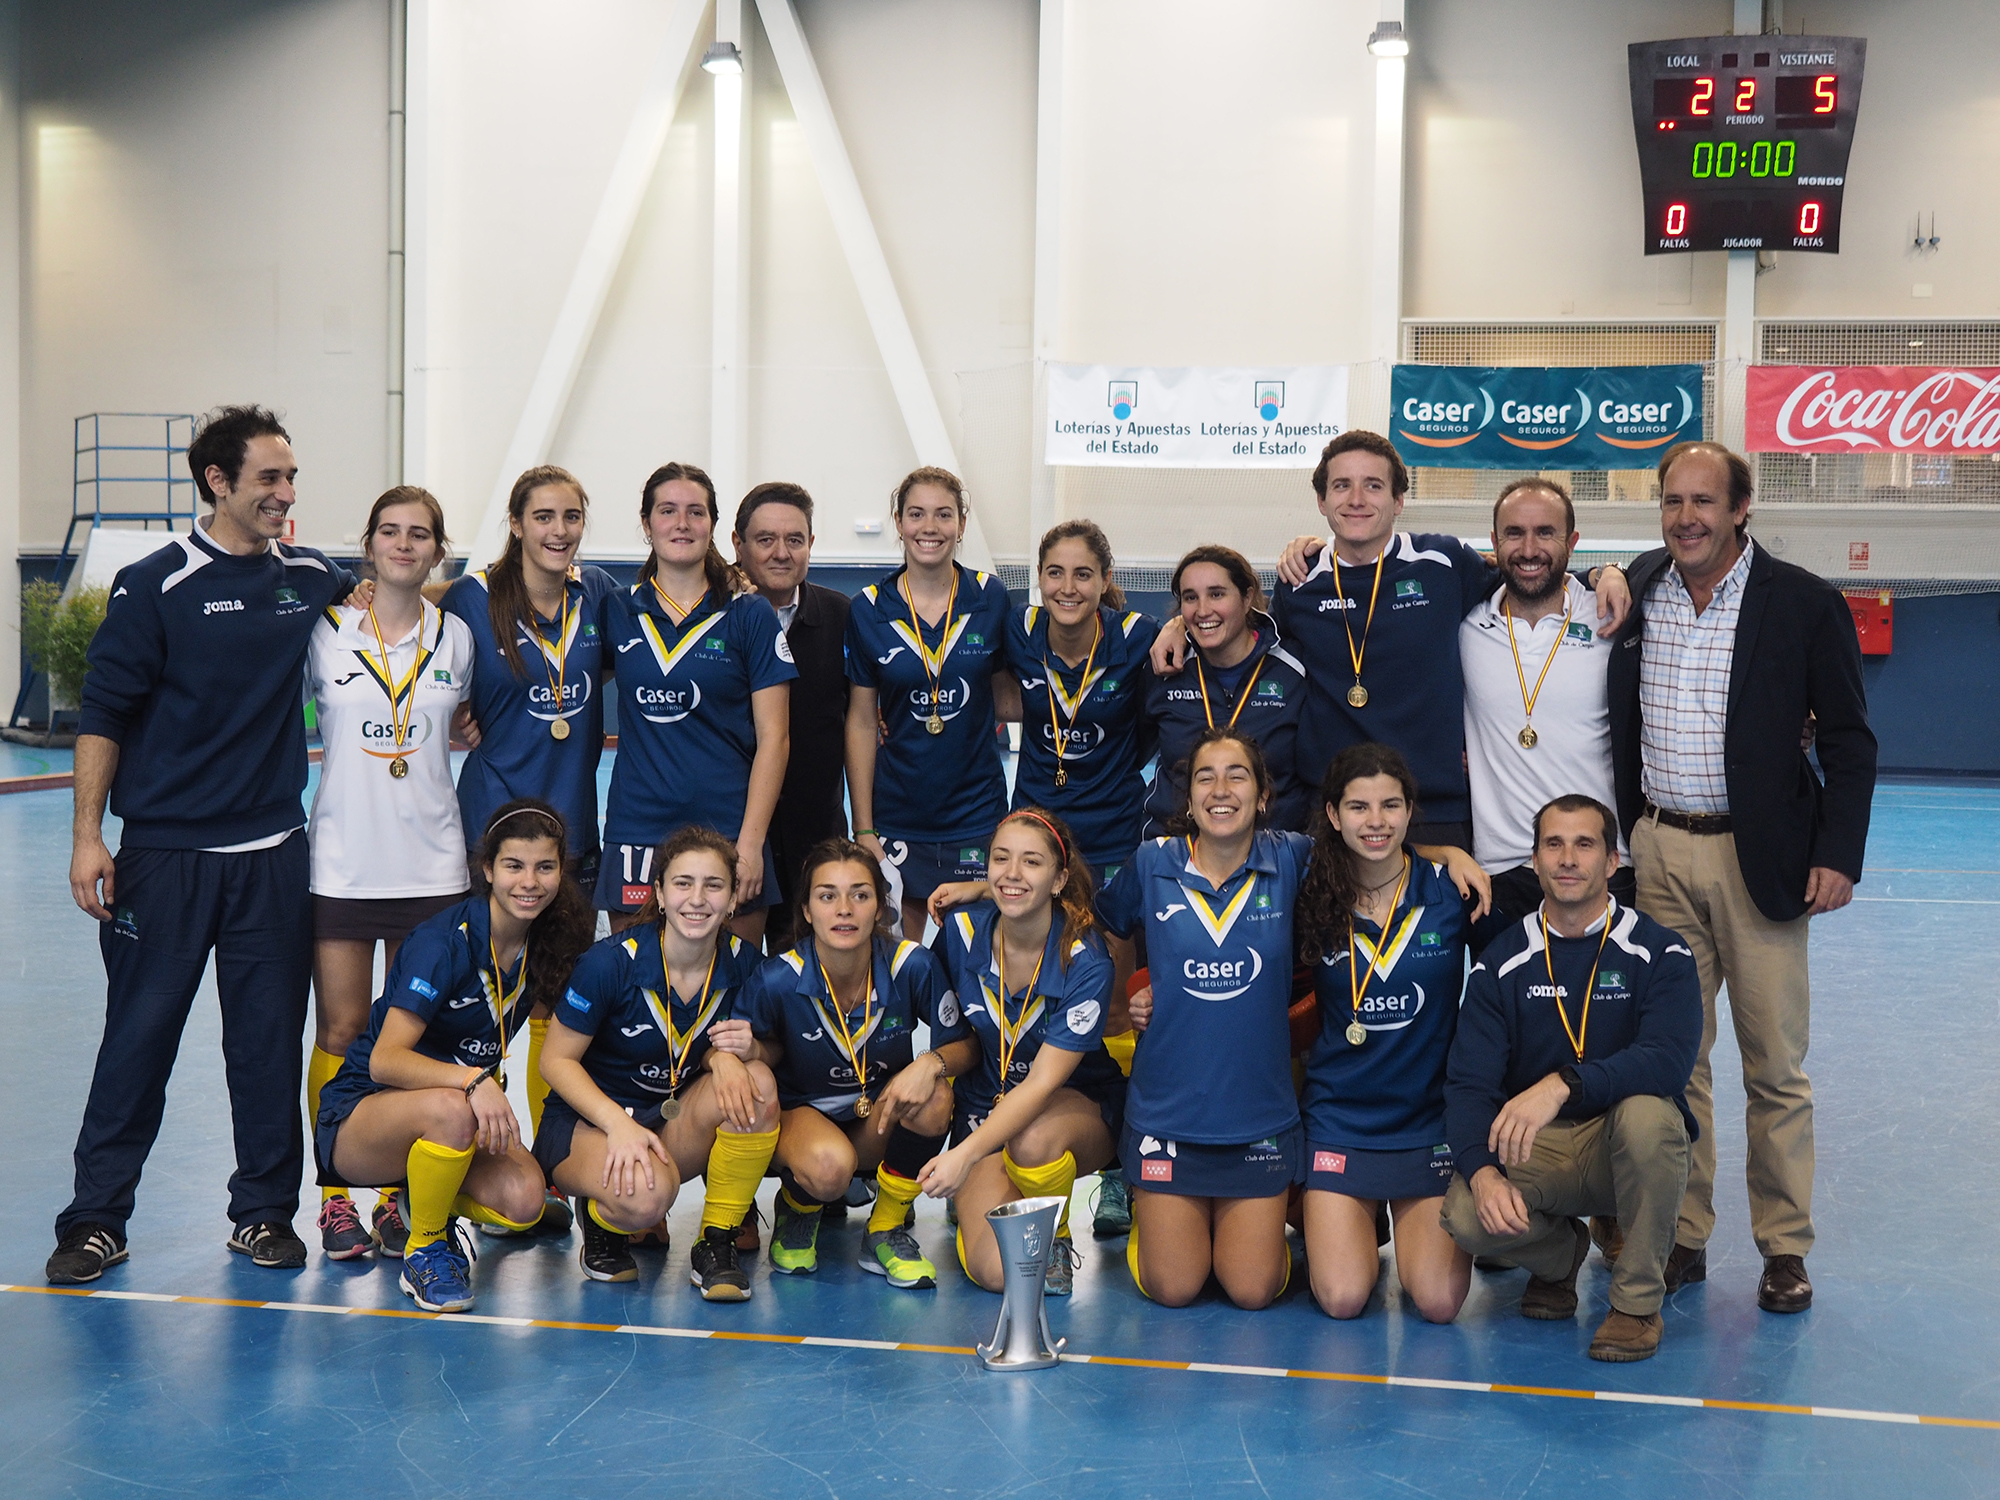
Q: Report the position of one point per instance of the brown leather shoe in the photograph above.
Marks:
(1685, 1267)
(1552, 1301)
(1608, 1236)
(1622, 1338)
(1784, 1286)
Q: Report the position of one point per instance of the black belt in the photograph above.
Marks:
(1690, 822)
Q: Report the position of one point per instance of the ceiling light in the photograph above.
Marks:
(1387, 40)
(722, 57)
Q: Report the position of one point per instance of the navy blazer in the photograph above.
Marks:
(1796, 653)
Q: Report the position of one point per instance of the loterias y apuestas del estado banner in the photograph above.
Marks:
(1525, 417)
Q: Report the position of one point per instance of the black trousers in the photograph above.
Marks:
(1518, 891)
(172, 907)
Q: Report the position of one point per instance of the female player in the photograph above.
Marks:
(1034, 982)
(420, 1098)
(1385, 933)
(1242, 677)
(387, 848)
(833, 1018)
(705, 676)
(649, 1078)
(923, 765)
(1211, 1143)
(539, 664)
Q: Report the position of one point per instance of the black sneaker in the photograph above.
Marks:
(605, 1256)
(556, 1220)
(392, 1230)
(341, 1236)
(271, 1244)
(713, 1267)
(84, 1254)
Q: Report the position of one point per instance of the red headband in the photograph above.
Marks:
(1061, 847)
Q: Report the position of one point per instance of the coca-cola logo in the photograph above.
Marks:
(1873, 408)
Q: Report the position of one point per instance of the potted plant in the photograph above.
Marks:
(57, 633)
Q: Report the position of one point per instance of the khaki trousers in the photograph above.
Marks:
(1631, 1161)
(1692, 883)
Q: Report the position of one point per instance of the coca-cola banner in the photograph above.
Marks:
(1872, 409)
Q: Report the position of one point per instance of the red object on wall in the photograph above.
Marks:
(1874, 622)
(1938, 409)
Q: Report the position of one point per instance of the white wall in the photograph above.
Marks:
(204, 205)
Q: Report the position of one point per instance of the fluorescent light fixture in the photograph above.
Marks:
(722, 57)
(1386, 40)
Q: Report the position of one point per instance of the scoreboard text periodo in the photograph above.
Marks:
(1743, 140)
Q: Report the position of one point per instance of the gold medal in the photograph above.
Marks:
(1062, 777)
(933, 661)
(1357, 1033)
(934, 724)
(399, 768)
(679, 1043)
(861, 1107)
(670, 1111)
(1057, 733)
(1527, 736)
(403, 695)
(559, 729)
(1357, 982)
(1357, 696)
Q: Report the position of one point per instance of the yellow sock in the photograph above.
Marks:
(736, 1164)
(320, 1069)
(894, 1193)
(479, 1213)
(798, 1207)
(590, 1207)
(538, 1086)
(1121, 1047)
(961, 1253)
(1132, 1260)
(1056, 1180)
(436, 1173)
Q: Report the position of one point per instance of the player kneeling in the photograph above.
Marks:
(652, 1080)
(419, 1097)
(834, 1018)
(1045, 1099)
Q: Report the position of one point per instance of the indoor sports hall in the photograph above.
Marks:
(290, 1216)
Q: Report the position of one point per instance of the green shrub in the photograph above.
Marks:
(57, 633)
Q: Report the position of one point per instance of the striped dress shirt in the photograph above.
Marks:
(1684, 691)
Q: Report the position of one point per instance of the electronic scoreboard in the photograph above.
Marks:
(1743, 139)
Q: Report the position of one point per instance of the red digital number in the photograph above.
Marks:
(1704, 90)
(1677, 218)
(1823, 91)
(1808, 218)
(1746, 94)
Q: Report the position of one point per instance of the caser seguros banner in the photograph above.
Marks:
(1525, 417)
(1872, 409)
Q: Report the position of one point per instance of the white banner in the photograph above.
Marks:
(1112, 416)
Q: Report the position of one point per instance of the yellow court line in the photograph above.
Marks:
(1405, 1382)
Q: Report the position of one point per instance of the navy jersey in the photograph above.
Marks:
(1107, 736)
(1066, 1009)
(1410, 664)
(786, 1002)
(1641, 1037)
(1277, 698)
(517, 756)
(198, 676)
(642, 1033)
(443, 975)
(1215, 1066)
(686, 733)
(1388, 1093)
(933, 788)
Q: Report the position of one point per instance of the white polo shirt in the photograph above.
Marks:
(1572, 721)
(376, 836)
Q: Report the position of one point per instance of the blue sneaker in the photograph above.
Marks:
(435, 1277)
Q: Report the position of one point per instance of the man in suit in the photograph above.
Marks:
(1738, 840)
(773, 539)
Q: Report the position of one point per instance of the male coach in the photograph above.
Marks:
(1738, 841)
(193, 724)
(1564, 1091)
(773, 538)
(1537, 722)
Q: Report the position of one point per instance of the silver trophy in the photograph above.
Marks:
(1025, 1231)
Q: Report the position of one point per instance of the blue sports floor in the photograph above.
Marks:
(191, 1372)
